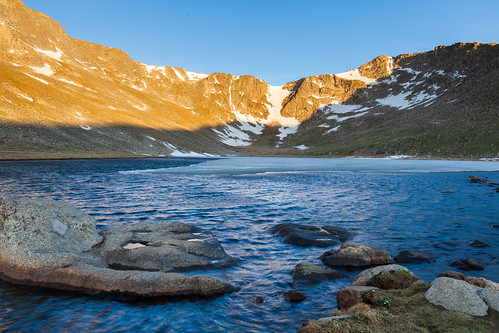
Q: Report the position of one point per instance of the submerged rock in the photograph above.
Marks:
(294, 296)
(411, 256)
(356, 255)
(306, 235)
(477, 243)
(468, 265)
(51, 244)
(314, 273)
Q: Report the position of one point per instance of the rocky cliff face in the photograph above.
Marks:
(62, 97)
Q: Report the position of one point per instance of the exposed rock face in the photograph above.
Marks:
(350, 296)
(366, 275)
(310, 93)
(356, 255)
(460, 296)
(315, 273)
(409, 256)
(306, 235)
(51, 244)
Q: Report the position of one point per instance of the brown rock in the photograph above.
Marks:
(294, 296)
(350, 296)
(356, 255)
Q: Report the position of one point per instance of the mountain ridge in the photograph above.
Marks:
(83, 97)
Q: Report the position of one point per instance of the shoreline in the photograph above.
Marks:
(133, 157)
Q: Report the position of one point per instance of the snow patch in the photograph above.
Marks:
(249, 123)
(285, 131)
(45, 70)
(354, 74)
(405, 101)
(55, 55)
(177, 153)
(193, 76)
(301, 147)
(275, 97)
(341, 119)
(334, 129)
(233, 136)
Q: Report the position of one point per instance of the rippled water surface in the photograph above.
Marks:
(386, 209)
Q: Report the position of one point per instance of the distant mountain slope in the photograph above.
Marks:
(62, 97)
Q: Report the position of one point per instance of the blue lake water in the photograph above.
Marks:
(390, 204)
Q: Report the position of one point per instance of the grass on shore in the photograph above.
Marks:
(406, 311)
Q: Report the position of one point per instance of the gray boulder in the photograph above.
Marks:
(51, 244)
(366, 275)
(307, 235)
(356, 255)
(457, 295)
(314, 273)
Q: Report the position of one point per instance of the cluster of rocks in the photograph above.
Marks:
(484, 181)
(51, 244)
(453, 292)
(354, 256)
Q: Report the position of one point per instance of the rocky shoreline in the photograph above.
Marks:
(50, 244)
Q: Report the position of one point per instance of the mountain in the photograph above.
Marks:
(63, 98)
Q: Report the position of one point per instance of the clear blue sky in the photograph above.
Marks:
(278, 41)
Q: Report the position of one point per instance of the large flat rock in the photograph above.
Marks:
(51, 244)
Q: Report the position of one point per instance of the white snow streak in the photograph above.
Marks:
(37, 78)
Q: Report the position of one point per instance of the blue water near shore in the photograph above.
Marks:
(390, 204)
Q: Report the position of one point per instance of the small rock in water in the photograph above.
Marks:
(258, 299)
(448, 192)
(477, 243)
(410, 256)
(467, 265)
(294, 296)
